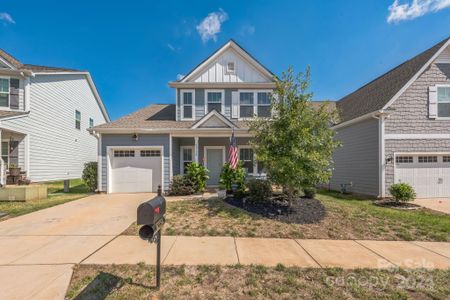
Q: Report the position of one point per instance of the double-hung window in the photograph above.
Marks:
(187, 156)
(4, 92)
(247, 159)
(187, 104)
(77, 119)
(263, 109)
(214, 100)
(91, 122)
(246, 104)
(443, 102)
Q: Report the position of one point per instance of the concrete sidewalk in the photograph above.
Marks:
(348, 254)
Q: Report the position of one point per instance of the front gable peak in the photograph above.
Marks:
(213, 120)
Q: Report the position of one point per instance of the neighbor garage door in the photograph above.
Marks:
(135, 170)
(429, 174)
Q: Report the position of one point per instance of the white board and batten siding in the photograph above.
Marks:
(216, 72)
(57, 150)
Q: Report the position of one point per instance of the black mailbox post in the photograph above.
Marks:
(151, 214)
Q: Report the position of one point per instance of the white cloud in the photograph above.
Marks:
(180, 76)
(5, 17)
(411, 10)
(211, 25)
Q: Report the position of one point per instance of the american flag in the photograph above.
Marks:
(233, 152)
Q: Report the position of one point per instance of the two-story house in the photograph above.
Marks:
(145, 149)
(396, 129)
(44, 116)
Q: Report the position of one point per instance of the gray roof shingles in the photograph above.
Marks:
(376, 94)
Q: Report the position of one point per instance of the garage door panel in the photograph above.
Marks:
(134, 174)
(429, 179)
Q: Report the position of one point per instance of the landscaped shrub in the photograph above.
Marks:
(310, 192)
(181, 186)
(230, 176)
(198, 175)
(259, 190)
(402, 192)
(90, 175)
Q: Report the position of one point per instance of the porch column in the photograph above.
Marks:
(196, 149)
(2, 166)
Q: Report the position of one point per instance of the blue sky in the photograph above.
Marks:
(133, 50)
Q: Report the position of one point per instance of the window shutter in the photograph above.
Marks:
(14, 93)
(432, 102)
(234, 104)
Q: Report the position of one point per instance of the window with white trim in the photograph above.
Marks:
(4, 92)
(446, 158)
(427, 159)
(443, 101)
(123, 153)
(263, 108)
(247, 159)
(187, 105)
(246, 104)
(77, 119)
(91, 122)
(150, 153)
(404, 159)
(187, 156)
(214, 100)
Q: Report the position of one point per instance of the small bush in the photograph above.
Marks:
(259, 190)
(310, 192)
(181, 186)
(90, 175)
(402, 192)
(230, 176)
(198, 175)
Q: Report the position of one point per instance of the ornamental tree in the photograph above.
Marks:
(296, 144)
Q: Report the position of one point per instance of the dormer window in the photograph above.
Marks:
(231, 67)
(187, 104)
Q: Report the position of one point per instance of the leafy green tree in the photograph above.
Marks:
(296, 144)
(89, 175)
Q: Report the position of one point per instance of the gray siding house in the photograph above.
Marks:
(145, 149)
(397, 129)
(44, 114)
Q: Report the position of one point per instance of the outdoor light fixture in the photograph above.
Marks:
(389, 159)
(135, 137)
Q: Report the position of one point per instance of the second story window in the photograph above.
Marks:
(4, 92)
(77, 119)
(443, 102)
(187, 105)
(246, 103)
(214, 100)
(91, 122)
(263, 108)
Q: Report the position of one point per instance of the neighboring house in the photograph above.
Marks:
(44, 114)
(145, 149)
(397, 129)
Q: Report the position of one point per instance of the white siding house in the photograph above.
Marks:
(41, 134)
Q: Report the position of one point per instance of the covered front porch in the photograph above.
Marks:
(13, 154)
(213, 153)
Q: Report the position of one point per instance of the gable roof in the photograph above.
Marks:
(231, 44)
(376, 94)
(213, 114)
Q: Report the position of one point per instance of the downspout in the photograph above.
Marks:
(381, 117)
(98, 136)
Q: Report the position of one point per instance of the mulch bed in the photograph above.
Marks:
(397, 205)
(302, 211)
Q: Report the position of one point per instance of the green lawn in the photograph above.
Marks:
(344, 217)
(56, 196)
(255, 282)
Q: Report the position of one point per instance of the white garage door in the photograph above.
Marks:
(135, 170)
(429, 174)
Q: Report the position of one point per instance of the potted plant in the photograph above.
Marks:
(14, 170)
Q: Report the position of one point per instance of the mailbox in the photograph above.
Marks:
(151, 215)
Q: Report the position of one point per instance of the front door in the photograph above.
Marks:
(214, 163)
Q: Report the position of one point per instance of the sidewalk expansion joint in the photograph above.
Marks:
(312, 257)
(376, 253)
(235, 249)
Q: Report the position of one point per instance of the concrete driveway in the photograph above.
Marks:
(438, 204)
(38, 250)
